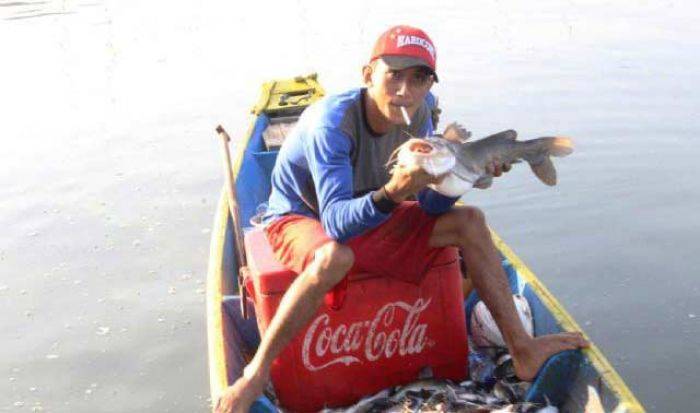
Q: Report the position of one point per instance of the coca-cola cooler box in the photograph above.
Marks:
(386, 333)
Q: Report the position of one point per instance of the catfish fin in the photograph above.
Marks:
(505, 136)
(456, 133)
(484, 182)
(560, 146)
(545, 171)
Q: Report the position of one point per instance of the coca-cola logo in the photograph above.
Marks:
(366, 339)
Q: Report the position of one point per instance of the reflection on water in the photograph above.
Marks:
(18, 10)
(21, 3)
(110, 171)
(32, 13)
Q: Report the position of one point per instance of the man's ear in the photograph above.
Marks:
(367, 71)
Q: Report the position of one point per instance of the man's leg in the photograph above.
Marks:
(465, 227)
(331, 262)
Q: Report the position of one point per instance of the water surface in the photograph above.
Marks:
(110, 171)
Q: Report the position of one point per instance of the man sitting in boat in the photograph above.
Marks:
(334, 208)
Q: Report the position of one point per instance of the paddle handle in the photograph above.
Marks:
(236, 218)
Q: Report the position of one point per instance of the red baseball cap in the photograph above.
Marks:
(405, 46)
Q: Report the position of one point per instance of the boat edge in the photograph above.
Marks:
(627, 401)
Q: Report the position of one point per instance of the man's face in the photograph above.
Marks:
(390, 89)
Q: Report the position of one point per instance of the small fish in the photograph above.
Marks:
(467, 161)
(421, 386)
(379, 400)
(435, 395)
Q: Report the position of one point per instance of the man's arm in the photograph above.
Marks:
(342, 216)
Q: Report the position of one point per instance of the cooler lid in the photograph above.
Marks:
(270, 276)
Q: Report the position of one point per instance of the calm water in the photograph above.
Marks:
(110, 171)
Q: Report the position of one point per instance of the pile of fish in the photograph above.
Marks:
(493, 388)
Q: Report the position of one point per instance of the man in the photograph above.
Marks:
(334, 208)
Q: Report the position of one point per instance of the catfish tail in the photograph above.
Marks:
(559, 146)
(538, 154)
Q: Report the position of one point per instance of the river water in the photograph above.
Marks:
(110, 172)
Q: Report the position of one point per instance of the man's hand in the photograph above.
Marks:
(238, 397)
(407, 181)
(494, 168)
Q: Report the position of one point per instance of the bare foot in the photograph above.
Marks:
(529, 357)
(238, 397)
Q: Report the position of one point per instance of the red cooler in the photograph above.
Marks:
(385, 334)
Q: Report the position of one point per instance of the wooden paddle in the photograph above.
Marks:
(237, 228)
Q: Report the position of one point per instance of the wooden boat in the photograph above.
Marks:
(565, 380)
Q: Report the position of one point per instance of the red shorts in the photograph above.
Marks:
(397, 248)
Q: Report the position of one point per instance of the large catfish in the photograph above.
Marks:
(465, 161)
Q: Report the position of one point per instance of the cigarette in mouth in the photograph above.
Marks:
(405, 116)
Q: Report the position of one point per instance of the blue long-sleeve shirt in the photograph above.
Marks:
(329, 165)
